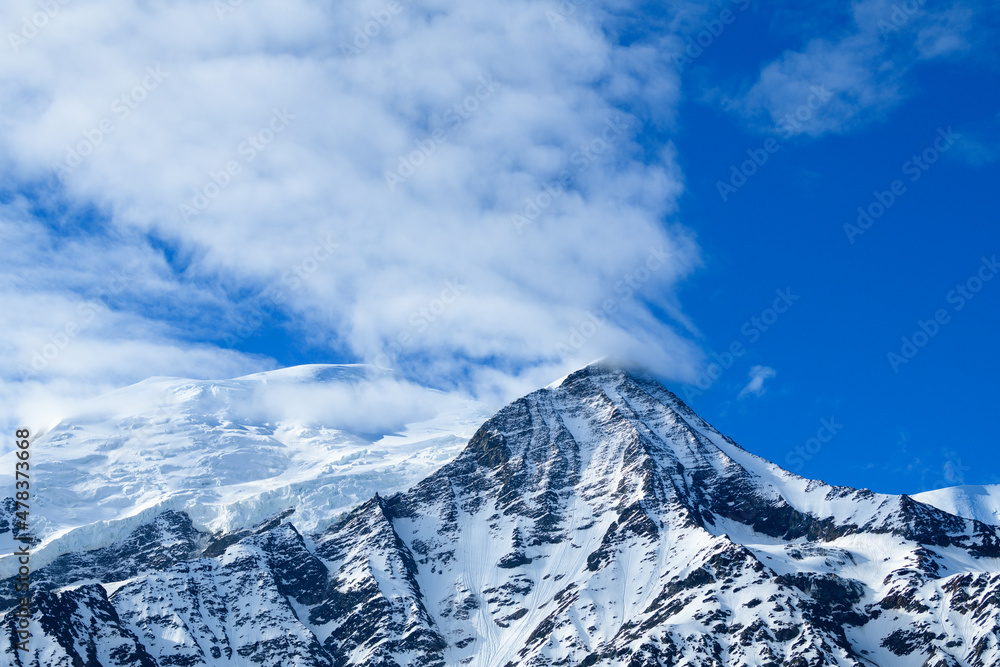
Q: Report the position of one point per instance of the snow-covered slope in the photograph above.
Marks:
(320, 439)
(981, 503)
(598, 521)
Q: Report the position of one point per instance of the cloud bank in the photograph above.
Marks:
(433, 187)
(478, 196)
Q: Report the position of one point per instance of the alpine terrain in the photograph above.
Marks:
(597, 521)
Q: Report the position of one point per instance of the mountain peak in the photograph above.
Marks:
(603, 367)
(614, 433)
(593, 521)
(609, 431)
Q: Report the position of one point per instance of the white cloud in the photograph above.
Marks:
(280, 142)
(865, 68)
(980, 145)
(756, 385)
(91, 313)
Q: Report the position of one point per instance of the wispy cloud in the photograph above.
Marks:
(865, 66)
(755, 386)
(980, 143)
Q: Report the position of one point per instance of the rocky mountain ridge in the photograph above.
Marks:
(598, 521)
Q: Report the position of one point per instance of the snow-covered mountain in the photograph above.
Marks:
(598, 521)
(320, 439)
(979, 502)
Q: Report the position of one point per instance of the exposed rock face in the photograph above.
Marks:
(597, 522)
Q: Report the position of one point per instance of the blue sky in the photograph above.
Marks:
(917, 424)
(487, 197)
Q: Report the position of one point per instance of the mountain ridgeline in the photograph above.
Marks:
(598, 521)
